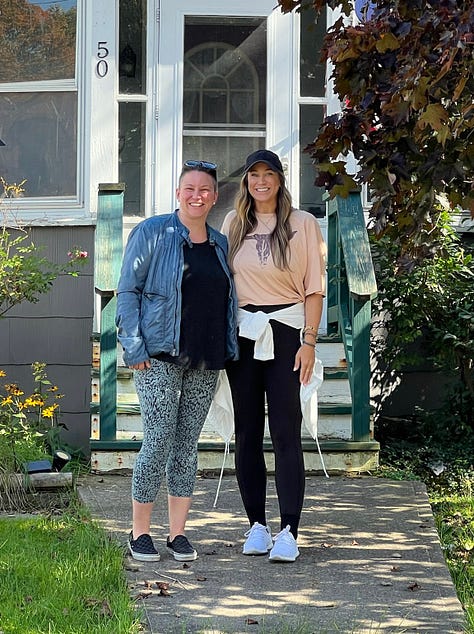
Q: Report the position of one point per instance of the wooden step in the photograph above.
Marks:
(334, 389)
(334, 422)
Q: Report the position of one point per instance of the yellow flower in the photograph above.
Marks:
(34, 401)
(7, 400)
(48, 412)
(13, 389)
(3, 373)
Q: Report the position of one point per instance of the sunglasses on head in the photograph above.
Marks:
(204, 164)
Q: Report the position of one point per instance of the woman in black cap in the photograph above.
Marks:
(277, 255)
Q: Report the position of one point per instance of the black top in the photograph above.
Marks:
(204, 289)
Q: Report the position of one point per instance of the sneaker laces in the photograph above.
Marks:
(257, 527)
(285, 535)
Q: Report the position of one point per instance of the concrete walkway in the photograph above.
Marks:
(370, 562)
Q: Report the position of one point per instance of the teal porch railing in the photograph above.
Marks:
(351, 287)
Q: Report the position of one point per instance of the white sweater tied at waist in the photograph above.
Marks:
(256, 326)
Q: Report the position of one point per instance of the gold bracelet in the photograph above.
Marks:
(306, 332)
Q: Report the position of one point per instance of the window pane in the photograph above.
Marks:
(37, 40)
(224, 99)
(132, 156)
(312, 70)
(311, 197)
(132, 47)
(40, 135)
(225, 71)
(229, 153)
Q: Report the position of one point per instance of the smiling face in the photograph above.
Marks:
(263, 185)
(196, 195)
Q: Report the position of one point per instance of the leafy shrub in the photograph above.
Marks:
(426, 315)
(29, 424)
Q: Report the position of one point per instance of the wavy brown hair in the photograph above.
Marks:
(246, 221)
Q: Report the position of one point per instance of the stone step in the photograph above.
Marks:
(339, 457)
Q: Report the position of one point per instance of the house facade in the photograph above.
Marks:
(102, 91)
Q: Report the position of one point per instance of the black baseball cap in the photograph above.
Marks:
(264, 156)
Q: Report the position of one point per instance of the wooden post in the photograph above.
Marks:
(108, 257)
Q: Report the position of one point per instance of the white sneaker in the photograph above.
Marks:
(259, 540)
(285, 548)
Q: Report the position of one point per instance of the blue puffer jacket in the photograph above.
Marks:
(149, 290)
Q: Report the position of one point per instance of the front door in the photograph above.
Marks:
(224, 84)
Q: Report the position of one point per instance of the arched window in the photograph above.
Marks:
(221, 87)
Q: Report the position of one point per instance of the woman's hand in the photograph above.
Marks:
(304, 362)
(143, 365)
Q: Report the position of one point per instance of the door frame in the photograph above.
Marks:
(281, 122)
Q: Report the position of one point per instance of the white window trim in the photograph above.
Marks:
(58, 210)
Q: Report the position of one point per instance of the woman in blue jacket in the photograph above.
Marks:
(176, 319)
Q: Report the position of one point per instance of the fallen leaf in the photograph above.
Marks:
(105, 609)
(251, 622)
(186, 566)
(163, 585)
(386, 583)
(200, 578)
(326, 545)
(148, 584)
(355, 542)
(395, 568)
(414, 586)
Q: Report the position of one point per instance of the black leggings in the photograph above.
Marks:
(250, 380)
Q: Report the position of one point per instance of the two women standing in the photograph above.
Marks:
(177, 323)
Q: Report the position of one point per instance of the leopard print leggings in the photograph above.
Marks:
(174, 403)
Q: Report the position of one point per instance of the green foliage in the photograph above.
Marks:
(406, 79)
(426, 315)
(62, 574)
(24, 274)
(29, 425)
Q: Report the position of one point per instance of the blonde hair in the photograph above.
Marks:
(246, 221)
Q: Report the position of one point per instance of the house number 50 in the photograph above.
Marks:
(102, 66)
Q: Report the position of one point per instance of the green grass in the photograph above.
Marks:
(62, 575)
(454, 515)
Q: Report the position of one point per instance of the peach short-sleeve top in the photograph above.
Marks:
(258, 281)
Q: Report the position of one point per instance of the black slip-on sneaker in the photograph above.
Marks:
(181, 549)
(142, 548)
